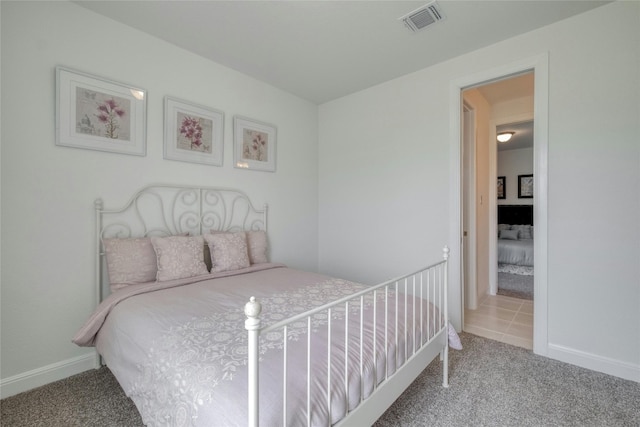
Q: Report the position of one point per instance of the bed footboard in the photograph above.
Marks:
(384, 337)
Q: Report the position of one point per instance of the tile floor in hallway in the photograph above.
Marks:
(504, 319)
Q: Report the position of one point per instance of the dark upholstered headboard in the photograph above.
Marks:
(515, 214)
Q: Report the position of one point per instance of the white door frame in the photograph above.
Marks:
(540, 66)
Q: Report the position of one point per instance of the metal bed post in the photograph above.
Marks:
(445, 364)
(98, 207)
(252, 310)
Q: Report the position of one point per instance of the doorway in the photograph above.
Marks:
(498, 290)
(515, 243)
(539, 66)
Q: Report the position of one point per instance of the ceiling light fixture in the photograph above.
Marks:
(505, 136)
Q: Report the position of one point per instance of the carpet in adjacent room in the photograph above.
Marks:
(515, 285)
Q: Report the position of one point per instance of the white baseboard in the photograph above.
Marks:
(46, 374)
(627, 371)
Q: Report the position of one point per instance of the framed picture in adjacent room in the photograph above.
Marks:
(193, 133)
(502, 187)
(525, 186)
(99, 114)
(254, 144)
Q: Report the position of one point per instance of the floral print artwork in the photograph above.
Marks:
(194, 133)
(103, 115)
(255, 145)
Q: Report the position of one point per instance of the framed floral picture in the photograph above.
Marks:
(193, 133)
(502, 187)
(254, 145)
(525, 186)
(99, 114)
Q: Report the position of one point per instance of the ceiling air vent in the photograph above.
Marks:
(422, 17)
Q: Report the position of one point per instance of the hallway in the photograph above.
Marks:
(501, 318)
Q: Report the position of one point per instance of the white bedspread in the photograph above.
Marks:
(516, 252)
(180, 352)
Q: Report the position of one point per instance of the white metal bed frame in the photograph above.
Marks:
(163, 210)
(428, 282)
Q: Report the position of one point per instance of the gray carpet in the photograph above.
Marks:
(491, 384)
(93, 398)
(515, 285)
(496, 384)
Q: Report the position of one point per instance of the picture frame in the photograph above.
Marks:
(193, 133)
(96, 113)
(502, 187)
(254, 144)
(525, 186)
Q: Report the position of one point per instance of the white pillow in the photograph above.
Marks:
(228, 251)
(179, 257)
(509, 234)
(524, 231)
(503, 227)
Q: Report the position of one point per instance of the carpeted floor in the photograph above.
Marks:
(93, 398)
(515, 285)
(496, 384)
(491, 384)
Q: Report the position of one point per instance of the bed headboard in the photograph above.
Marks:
(165, 210)
(515, 214)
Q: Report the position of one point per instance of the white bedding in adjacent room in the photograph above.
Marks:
(515, 252)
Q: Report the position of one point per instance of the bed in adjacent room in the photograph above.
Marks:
(200, 328)
(515, 250)
(515, 235)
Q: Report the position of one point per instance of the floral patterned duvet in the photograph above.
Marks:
(179, 349)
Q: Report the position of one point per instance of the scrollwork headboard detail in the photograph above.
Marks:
(165, 210)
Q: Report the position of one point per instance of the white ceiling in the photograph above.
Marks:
(323, 50)
(508, 90)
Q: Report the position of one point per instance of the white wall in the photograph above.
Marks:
(384, 180)
(512, 163)
(48, 191)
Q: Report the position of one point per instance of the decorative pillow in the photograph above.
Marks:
(228, 251)
(509, 234)
(207, 249)
(179, 257)
(524, 231)
(257, 245)
(503, 227)
(525, 234)
(130, 261)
